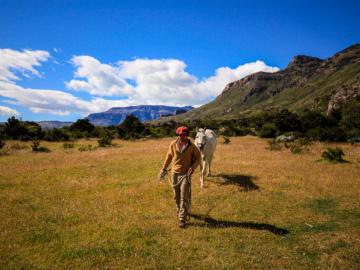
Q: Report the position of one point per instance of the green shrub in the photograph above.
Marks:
(273, 145)
(37, 148)
(2, 144)
(304, 141)
(4, 152)
(333, 154)
(88, 147)
(334, 134)
(57, 134)
(226, 140)
(105, 140)
(82, 126)
(68, 145)
(296, 148)
(22, 130)
(18, 146)
(131, 128)
(286, 121)
(226, 131)
(268, 130)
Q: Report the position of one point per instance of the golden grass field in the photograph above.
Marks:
(104, 209)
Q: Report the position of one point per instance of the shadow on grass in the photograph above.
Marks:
(244, 181)
(210, 222)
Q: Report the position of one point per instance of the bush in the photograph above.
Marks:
(4, 152)
(83, 126)
(268, 130)
(350, 115)
(88, 147)
(333, 154)
(226, 131)
(334, 134)
(105, 140)
(297, 148)
(37, 148)
(2, 144)
(314, 119)
(68, 145)
(226, 140)
(18, 146)
(273, 146)
(57, 134)
(287, 121)
(304, 141)
(131, 128)
(17, 129)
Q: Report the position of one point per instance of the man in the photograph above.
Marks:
(184, 157)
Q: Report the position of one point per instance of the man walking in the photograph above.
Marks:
(184, 157)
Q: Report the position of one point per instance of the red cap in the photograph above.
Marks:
(182, 130)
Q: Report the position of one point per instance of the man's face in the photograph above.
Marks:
(183, 136)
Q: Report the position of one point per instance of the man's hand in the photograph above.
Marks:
(190, 171)
(162, 173)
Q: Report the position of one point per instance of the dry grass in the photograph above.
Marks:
(103, 209)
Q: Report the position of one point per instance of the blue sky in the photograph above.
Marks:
(87, 56)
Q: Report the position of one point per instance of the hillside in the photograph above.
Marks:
(307, 82)
(116, 115)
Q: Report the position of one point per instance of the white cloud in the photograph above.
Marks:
(155, 81)
(97, 78)
(12, 61)
(53, 101)
(6, 111)
(139, 81)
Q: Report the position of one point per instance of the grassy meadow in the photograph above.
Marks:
(104, 209)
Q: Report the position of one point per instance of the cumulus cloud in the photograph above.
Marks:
(97, 78)
(155, 81)
(139, 81)
(12, 61)
(53, 101)
(6, 111)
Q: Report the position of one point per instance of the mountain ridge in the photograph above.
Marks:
(116, 115)
(306, 83)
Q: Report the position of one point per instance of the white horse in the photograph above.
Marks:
(206, 142)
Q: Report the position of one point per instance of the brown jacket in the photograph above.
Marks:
(182, 161)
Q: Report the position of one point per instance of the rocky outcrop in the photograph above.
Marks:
(340, 98)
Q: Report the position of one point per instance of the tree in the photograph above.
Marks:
(57, 134)
(287, 121)
(82, 125)
(131, 128)
(314, 119)
(14, 128)
(351, 115)
(268, 130)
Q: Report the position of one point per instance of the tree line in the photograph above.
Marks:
(342, 126)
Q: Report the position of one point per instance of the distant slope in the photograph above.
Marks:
(307, 82)
(116, 115)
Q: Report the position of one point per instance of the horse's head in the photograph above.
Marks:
(200, 139)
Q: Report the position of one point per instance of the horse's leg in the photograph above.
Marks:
(201, 174)
(209, 170)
